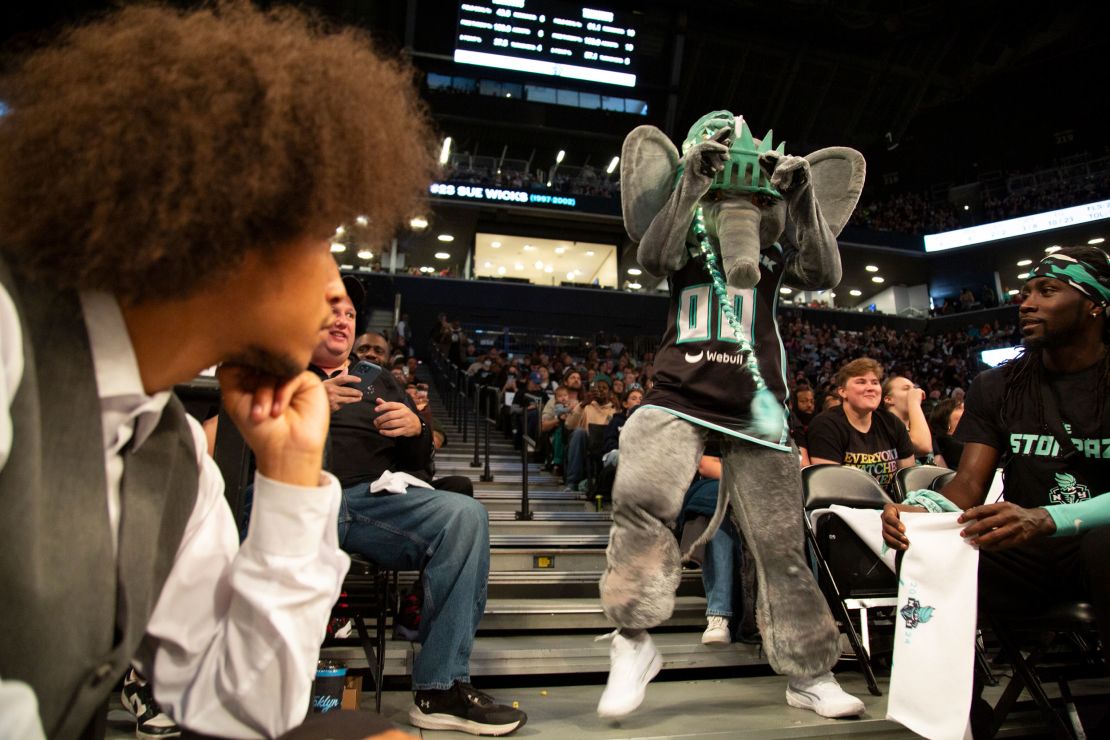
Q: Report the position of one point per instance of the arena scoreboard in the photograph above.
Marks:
(548, 37)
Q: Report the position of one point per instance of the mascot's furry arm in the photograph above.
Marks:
(662, 248)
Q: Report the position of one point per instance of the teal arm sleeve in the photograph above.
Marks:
(1072, 519)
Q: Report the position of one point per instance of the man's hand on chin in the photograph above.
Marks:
(284, 421)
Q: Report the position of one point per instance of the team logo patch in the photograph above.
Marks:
(914, 614)
(1067, 490)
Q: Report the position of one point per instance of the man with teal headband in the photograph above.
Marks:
(1045, 417)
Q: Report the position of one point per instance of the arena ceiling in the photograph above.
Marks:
(935, 94)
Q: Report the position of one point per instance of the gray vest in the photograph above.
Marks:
(72, 615)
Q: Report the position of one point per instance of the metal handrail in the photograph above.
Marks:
(525, 513)
(491, 402)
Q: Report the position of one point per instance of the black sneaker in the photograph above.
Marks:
(151, 723)
(462, 707)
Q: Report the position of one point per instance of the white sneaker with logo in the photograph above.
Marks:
(822, 694)
(717, 632)
(633, 662)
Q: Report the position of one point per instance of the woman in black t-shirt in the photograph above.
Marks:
(943, 421)
(859, 433)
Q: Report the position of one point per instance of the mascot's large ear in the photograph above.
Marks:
(837, 175)
(649, 162)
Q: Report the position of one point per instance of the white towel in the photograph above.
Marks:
(934, 636)
(868, 526)
(396, 483)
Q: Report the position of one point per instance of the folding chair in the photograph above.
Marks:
(368, 592)
(850, 575)
(1052, 645)
(918, 477)
(594, 444)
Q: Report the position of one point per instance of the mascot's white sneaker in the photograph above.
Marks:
(822, 694)
(717, 632)
(633, 662)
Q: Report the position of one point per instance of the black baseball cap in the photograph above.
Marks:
(355, 291)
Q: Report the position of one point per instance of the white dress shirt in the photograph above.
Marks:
(233, 641)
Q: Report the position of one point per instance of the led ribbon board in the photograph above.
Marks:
(508, 196)
(548, 37)
(1021, 226)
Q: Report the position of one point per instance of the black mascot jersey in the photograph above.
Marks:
(1035, 473)
(699, 373)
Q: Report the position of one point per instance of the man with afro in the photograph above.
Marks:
(169, 183)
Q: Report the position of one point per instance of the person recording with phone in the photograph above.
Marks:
(401, 522)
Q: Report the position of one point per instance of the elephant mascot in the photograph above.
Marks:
(729, 222)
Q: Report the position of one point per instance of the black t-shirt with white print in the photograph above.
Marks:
(877, 452)
(1034, 472)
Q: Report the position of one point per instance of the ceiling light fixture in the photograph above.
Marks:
(612, 165)
(445, 238)
(855, 292)
(443, 255)
(365, 254)
(1053, 248)
(445, 151)
(337, 247)
(1023, 276)
(362, 220)
(560, 156)
(785, 290)
(1015, 291)
(635, 271)
(635, 286)
(418, 223)
(1096, 240)
(1023, 263)
(872, 268)
(878, 279)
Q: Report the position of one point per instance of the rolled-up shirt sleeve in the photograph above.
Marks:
(232, 645)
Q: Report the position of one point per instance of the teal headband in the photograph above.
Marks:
(1076, 274)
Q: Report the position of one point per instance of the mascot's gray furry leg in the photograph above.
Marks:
(765, 489)
(659, 456)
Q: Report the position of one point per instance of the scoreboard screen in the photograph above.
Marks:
(548, 37)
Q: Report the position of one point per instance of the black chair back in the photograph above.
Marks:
(825, 485)
(918, 477)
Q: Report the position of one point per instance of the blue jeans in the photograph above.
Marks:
(720, 570)
(445, 535)
(577, 448)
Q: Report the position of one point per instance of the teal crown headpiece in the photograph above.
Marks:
(742, 173)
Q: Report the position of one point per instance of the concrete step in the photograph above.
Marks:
(535, 540)
(556, 654)
(574, 613)
(548, 558)
(544, 527)
(505, 485)
(502, 502)
(498, 655)
(556, 584)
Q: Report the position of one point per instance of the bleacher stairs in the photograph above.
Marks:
(543, 612)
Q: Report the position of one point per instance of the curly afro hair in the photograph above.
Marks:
(148, 151)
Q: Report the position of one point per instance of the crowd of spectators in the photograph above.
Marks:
(1024, 194)
(542, 390)
(585, 180)
(906, 213)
